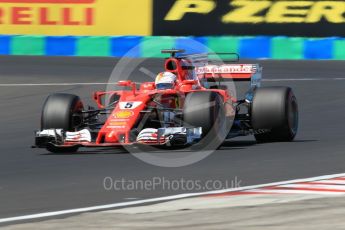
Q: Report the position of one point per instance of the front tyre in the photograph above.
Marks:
(62, 111)
(274, 114)
(206, 110)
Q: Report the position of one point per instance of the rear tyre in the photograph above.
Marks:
(274, 114)
(62, 111)
(206, 110)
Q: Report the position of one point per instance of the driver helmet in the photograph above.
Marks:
(165, 80)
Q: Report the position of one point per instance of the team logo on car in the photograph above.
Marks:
(117, 123)
(123, 114)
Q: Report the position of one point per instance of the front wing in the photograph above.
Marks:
(171, 136)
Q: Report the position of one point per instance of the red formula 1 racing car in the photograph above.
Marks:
(189, 104)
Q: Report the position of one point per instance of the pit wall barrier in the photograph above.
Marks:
(277, 47)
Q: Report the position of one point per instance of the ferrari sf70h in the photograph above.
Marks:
(198, 110)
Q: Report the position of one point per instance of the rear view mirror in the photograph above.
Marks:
(99, 98)
(104, 99)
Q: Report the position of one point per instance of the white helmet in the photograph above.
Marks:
(165, 80)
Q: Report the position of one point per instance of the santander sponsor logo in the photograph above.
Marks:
(246, 68)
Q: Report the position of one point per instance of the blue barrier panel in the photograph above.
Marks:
(318, 48)
(5, 41)
(61, 46)
(192, 44)
(126, 46)
(255, 47)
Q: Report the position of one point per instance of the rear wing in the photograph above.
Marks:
(231, 72)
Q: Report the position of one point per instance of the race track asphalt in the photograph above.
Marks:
(34, 181)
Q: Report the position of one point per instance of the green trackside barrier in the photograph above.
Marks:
(278, 47)
(339, 49)
(28, 45)
(287, 48)
(93, 46)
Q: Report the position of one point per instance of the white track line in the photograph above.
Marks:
(160, 199)
(106, 83)
(288, 191)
